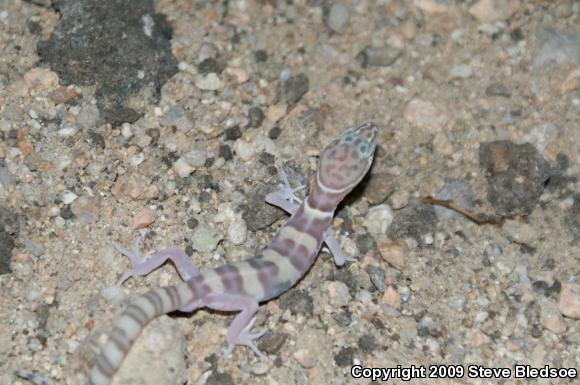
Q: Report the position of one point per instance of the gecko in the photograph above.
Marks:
(241, 286)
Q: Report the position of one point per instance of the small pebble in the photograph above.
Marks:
(205, 238)
(225, 152)
(391, 297)
(209, 82)
(339, 294)
(237, 231)
(126, 130)
(294, 88)
(260, 368)
(240, 74)
(245, 150)
(555, 324)
(233, 133)
(69, 197)
(272, 342)
(395, 253)
(305, 358)
(425, 114)
(498, 89)
(41, 79)
(182, 167)
(255, 117)
(569, 301)
(276, 112)
(89, 117)
(462, 71)
(572, 81)
(337, 18)
(67, 131)
(378, 219)
(189, 162)
(399, 199)
(86, 209)
(379, 187)
(377, 276)
(143, 218)
(378, 56)
(487, 11)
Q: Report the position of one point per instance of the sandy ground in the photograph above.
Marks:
(261, 86)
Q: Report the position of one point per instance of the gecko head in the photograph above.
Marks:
(346, 160)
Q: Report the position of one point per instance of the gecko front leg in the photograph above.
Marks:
(141, 265)
(285, 197)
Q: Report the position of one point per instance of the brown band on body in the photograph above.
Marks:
(231, 278)
(267, 272)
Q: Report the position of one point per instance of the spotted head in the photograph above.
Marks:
(346, 160)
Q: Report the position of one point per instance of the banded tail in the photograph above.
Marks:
(131, 322)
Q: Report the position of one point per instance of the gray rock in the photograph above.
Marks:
(88, 117)
(6, 246)
(6, 177)
(344, 357)
(337, 18)
(257, 213)
(413, 221)
(572, 219)
(297, 301)
(272, 342)
(517, 173)
(377, 276)
(558, 47)
(255, 117)
(379, 56)
(205, 239)
(497, 89)
(294, 88)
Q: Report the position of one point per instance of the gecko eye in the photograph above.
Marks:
(346, 160)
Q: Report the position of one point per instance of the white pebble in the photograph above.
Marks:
(379, 219)
(209, 82)
(338, 293)
(182, 168)
(244, 149)
(69, 197)
(126, 130)
(66, 132)
(237, 231)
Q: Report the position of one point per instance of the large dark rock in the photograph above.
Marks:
(517, 174)
(121, 46)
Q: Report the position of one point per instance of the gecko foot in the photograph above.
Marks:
(134, 256)
(246, 338)
(141, 265)
(288, 192)
(285, 196)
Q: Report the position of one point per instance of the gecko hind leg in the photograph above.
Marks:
(141, 265)
(239, 331)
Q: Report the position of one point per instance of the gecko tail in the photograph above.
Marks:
(34, 378)
(138, 314)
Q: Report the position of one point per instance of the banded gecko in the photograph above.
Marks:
(242, 286)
